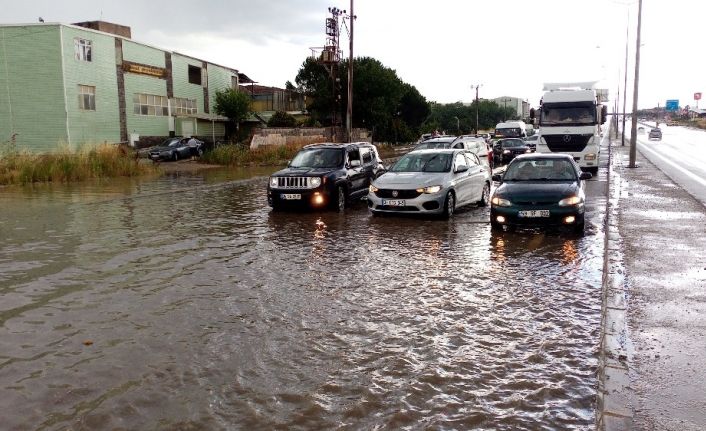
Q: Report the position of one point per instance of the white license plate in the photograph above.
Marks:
(393, 202)
(291, 196)
(533, 213)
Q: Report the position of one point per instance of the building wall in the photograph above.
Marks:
(219, 79)
(103, 124)
(138, 53)
(180, 77)
(31, 87)
(145, 125)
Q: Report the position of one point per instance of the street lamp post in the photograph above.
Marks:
(633, 129)
(458, 125)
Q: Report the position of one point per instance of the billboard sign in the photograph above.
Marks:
(697, 96)
(672, 105)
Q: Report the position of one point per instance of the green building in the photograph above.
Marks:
(90, 83)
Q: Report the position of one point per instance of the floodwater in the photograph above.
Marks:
(184, 303)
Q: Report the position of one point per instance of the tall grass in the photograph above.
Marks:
(64, 165)
(241, 155)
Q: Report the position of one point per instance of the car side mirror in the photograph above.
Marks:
(354, 163)
(585, 176)
(461, 168)
(497, 178)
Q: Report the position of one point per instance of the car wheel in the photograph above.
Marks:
(199, 152)
(449, 205)
(496, 226)
(339, 202)
(175, 156)
(485, 197)
(579, 228)
(593, 171)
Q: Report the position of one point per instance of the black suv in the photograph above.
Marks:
(325, 175)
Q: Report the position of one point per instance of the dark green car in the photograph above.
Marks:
(540, 190)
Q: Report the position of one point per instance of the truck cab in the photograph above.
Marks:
(570, 119)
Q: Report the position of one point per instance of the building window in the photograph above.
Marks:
(194, 75)
(149, 104)
(184, 106)
(83, 49)
(86, 98)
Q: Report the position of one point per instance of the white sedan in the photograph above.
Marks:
(435, 181)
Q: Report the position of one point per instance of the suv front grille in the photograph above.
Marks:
(293, 182)
(566, 143)
(401, 194)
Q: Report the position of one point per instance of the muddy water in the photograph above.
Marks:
(184, 303)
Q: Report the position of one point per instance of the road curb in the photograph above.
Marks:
(613, 410)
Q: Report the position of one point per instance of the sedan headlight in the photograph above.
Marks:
(372, 188)
(430, 189)
(500, 202)
(273, 182)
(570, 201)
(315, 182)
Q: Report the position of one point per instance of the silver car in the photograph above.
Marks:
(435, 181)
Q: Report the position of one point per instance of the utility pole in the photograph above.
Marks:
(625, 84)
(633, 129)
(476, 87)
(349, 111)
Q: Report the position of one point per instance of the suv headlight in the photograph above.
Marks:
(273, 182)
(500, 202)
(570, 201)
(430, 189)
(314, 182)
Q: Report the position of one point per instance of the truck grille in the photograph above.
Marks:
(293, 182)
(566, 143)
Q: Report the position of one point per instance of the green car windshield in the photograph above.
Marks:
(540, 170)
(423, 162)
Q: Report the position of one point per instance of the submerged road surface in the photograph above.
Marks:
(185, 303)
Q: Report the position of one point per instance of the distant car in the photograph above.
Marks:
(433, 181)
(641, 129)
(440, 142)
(325, 175)
(655, 133)
(476, 145)
(504, 150)
(531, 141)
(537, 190)
(175, 148)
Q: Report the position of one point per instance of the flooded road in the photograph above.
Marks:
(184, 303)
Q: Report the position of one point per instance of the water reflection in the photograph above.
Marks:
(191, 285)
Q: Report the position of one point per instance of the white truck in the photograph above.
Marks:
(511, 129)
(570, 119)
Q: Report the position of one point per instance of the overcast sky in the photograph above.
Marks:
(442, 47)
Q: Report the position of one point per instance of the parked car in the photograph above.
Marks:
(540, 189)
(325, 175)
(175, 148)
(476, 145)
(504, 150)
(435, 181)
(655, 133)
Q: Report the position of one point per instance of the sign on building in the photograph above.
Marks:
(672, 105)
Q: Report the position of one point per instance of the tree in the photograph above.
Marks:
(382, 103)
(282, 119)
(233, 104)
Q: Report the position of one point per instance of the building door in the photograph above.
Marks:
(187, 128)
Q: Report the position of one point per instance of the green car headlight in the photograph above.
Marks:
(570, 201)
(500, 202)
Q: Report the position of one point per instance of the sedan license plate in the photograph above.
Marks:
(291, 196)
(393, 202)
(534, 213)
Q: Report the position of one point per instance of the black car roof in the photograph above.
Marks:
(540, 156)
